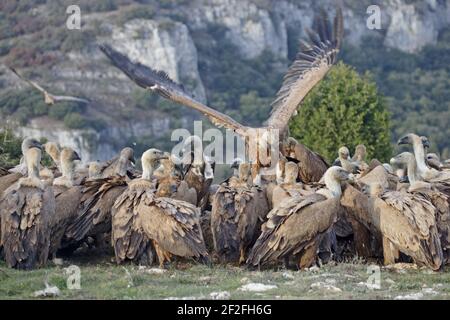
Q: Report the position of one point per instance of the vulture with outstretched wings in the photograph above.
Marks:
(313, 61)
(48, 97)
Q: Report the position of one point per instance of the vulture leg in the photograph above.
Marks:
(361, 238)
(163, 255)
(390, 253)
(309, 254)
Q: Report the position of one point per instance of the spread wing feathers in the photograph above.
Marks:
(236, 217)
(442, 204)
(97, 201)
(67, 209)
(160, 82)
(312, 63)
(293, 226)
(411, 226)
(49, 98)
(129, 240)
(25, 224)
(174, 225)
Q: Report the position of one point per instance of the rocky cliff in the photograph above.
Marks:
(164, 41)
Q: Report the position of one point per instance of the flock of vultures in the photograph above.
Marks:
(304, 214)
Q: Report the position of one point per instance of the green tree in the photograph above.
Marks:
(344, 109)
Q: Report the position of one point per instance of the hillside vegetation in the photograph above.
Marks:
(416, 86)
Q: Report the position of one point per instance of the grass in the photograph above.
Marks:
(101, 278)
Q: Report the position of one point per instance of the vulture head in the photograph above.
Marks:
(235, 166)
(95, 170)
(360, 152)
(150, 159)
(290, 172)
(29, 143)
(344, 153)
(410, 139)
(425, 142)
(68, 155)
(127, 154)
(289, 147)
(333, 178)
(402, 158)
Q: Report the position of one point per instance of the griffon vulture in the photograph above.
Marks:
(290, 187)
(20, 170)
(67, 196)
(26, 210)
(238, 210)
(48, 97)
(440, 200)
(143, 223)
(99, 195)
(313, 61)
(297, 226)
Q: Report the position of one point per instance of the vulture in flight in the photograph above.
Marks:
(313, 61)
(26, 210)
(238, 211)
(143, 223)
(296, 227)
(48, 97)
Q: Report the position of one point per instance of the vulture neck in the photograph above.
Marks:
(413, 176)
(33, 168)
(147, 171)
(333, 185)
(419, 153)
(68, 169)
(122, 166)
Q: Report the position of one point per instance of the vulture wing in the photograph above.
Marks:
(51, 98)
(409, 222)
(160, 82)
(312, 63)
(67, 205)
(25, 224)
(128, 238)
(174, 225)
(98, 199)
(292, 227)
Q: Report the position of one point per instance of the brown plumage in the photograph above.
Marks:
(406, 222)
(311, 165)
(290, 187)
(238, 210)
(144, 223)
(26, 209)
(67, 196)
(297, 226)
(314, 59)
(94, 218)
(439, 199)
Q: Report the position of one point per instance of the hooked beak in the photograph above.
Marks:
(426, 143)
(403, 140)
(76, 156)
(38, 145)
